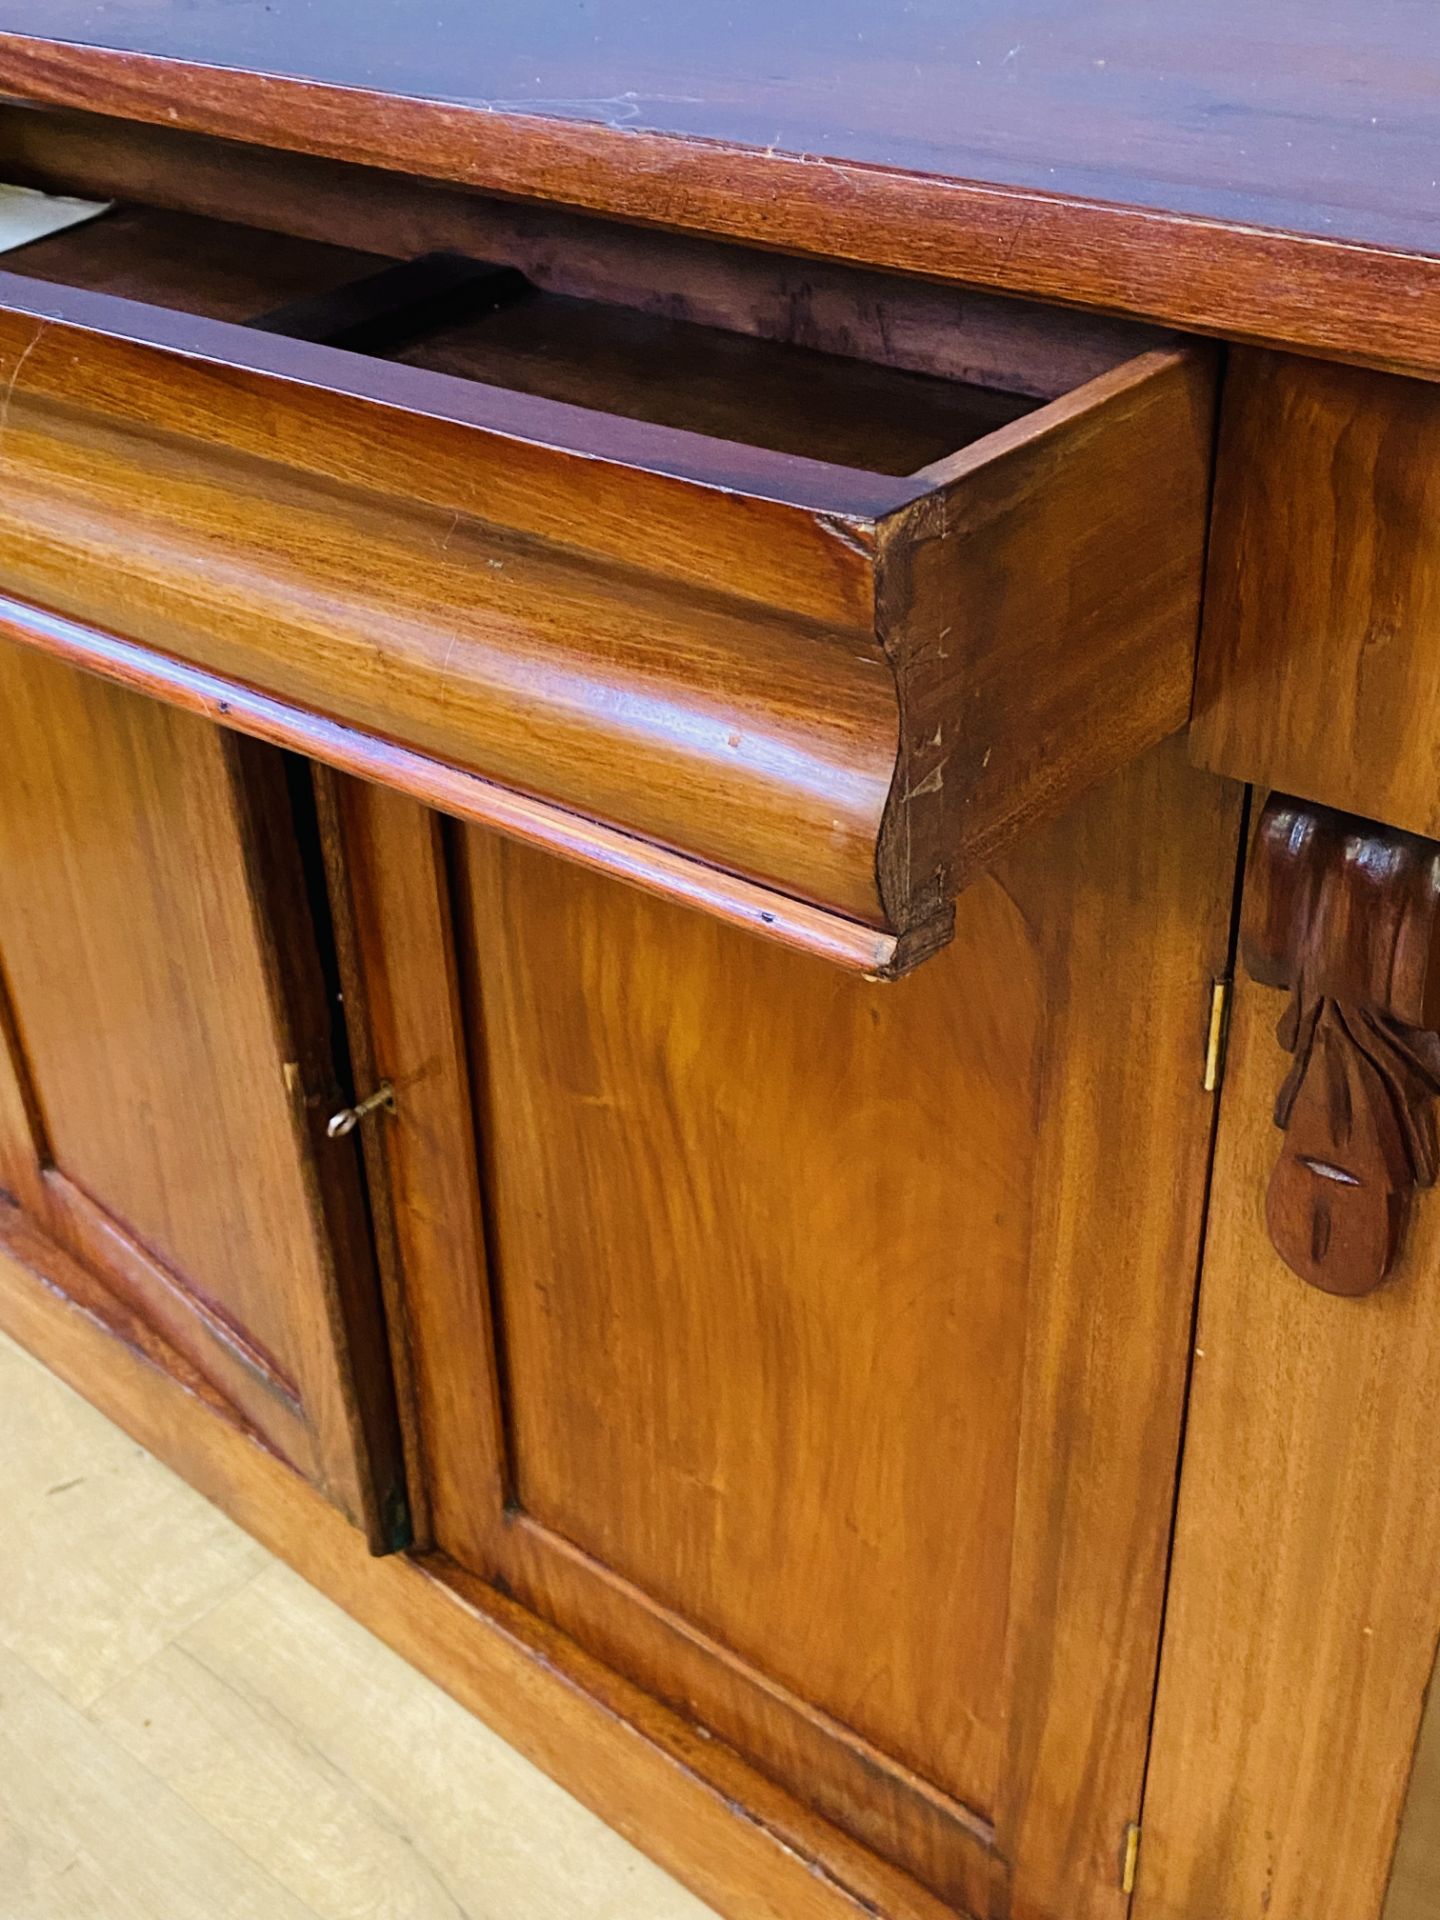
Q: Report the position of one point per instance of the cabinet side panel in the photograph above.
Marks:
(1304, 1606)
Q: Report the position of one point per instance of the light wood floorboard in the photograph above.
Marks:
(189, 1732)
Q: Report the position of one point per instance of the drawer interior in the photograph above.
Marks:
(194, 265)
(650, 361)
(732, 386)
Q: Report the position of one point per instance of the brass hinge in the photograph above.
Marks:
(1217, 1034)
(1131, 1857)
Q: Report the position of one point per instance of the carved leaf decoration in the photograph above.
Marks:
(1296, 1034)
(1409, 1060)
(1345, 914)
(1359, 1135)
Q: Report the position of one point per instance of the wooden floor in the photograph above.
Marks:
(189, 1732)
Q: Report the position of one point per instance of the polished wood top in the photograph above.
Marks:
(1263, 168)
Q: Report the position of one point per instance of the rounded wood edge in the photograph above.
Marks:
(740, 902)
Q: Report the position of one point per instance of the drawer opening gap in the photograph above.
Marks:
(489, 322)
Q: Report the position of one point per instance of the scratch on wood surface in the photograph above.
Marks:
(1027, 214)
(15, 371)
(837, 167)
(450, 645)
(612, 110)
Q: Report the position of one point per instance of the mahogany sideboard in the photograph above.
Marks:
(720, 896)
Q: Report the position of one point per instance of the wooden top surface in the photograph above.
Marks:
(1268, 169)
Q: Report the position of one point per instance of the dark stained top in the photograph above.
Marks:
(976, 139)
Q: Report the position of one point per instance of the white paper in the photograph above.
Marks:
(27, 215)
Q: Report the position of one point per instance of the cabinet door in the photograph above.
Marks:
(169, 1065)
(813, 1350)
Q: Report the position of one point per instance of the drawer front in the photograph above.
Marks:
(813, 699)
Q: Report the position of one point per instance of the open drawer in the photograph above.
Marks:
(781, 629)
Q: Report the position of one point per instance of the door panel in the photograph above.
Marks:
(169, 1026)
(818, 1357)
(756, 1359)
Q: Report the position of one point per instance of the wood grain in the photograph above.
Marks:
(252, 1378)
(1134, 885)
(211, 366)
(668, 1326)
(752, 739)
(173, 259)
(1203, 164)
(711, 380)
(154, 1034)
(1303, 1614)
(691, 1147)
(1317, 670)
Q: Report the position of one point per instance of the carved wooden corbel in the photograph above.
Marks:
(1345, 914)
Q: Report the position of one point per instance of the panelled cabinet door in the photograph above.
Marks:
(813, 1350)
(168, 1066)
